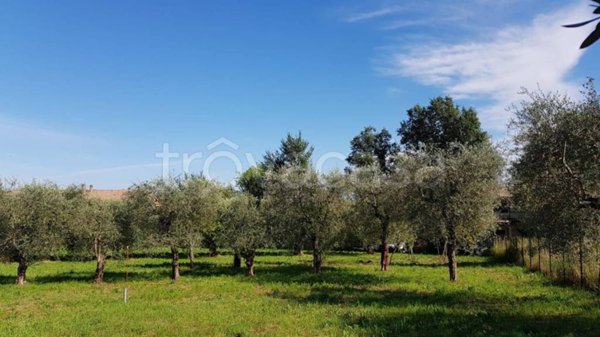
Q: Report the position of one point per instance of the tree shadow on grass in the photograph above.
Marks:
(275, 272)
(266, 272)
(109, 277)
(8, 279)
(403, 312)
(273, 253)
(437, 321)
(464, 264)
(337, 276)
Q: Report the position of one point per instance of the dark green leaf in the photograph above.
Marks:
(591, 38)
(575, 25)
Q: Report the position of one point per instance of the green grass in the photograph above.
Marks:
(351, 298)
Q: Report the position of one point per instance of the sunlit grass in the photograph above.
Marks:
(351, 298)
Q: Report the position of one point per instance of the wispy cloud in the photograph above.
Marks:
(384, 11)
(398, 24)
(114, 169)
(20, 130)
(540, 53)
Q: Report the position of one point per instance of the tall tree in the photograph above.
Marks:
(244, 229)
(459, 186)
(305, 205)
(252, 181)
(294, 151)
(441, 124)
(34, 223)
(371, 147)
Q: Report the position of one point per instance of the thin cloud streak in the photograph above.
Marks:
(16, 130)
(373, 14)
(111, 170)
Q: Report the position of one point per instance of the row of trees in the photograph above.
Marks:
(439, 183)
(38, 221)
(556, 175)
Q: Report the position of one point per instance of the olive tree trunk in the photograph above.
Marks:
(174, 264)
(452, 263)
(250, 264)
(298, 249)
(191, 257)
(237, 260)
(317, 255)
(384, 261)
(100, 261)
(451, 250)
(22, 271)
(100, 264)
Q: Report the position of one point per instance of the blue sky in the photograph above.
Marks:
(91, 90)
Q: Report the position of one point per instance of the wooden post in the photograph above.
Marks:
(125, 295)
(581, 254)
(550, 259)
(539, 249)
(564, 270)
(530, 252)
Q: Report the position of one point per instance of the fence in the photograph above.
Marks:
(579, 265)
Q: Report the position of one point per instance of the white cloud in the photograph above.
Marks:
(373, 14)
(115, 169)
(494, 68)
(24, 131)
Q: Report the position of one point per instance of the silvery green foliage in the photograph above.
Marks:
(174, 212)
(303, 205)
(243, 227)
(92, 224)
(556, 176)
(379, 205)
(33, 221)
(454, 192)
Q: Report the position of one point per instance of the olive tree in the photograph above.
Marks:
(556, 174)
(244, 229)
(458, 187)
(33, 224)
(379, 206)
(175, 212)
(92, 227)
(307, 206)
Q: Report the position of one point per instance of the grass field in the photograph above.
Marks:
(351, 298)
